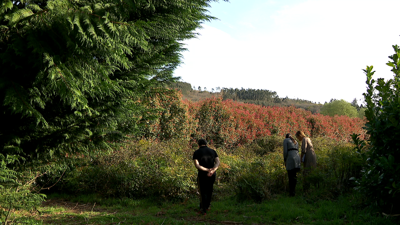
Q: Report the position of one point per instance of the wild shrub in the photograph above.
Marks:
(251, 181)
(15, 190)
(165, 169)
(380, 180)
(259, 179)
(215, 123)
(268, 144)
(172, 117)
(139, 169)
(336, 164)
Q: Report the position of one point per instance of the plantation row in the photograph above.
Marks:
(229, 123)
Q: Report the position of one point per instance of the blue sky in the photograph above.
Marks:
(307, 49)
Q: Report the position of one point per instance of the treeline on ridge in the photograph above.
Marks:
(267, 98)
(261, 97)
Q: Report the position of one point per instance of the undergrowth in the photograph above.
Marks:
(154, 182)
(165, 169)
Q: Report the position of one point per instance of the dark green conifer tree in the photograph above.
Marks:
(73, 72)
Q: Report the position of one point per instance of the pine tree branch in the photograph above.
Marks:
(20, 97)
(98, 16)
(126, 24)
(59, 71)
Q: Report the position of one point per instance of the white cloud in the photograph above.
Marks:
(316, 51)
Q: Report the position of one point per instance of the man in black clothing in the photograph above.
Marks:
(206, 161)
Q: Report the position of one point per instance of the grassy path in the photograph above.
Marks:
(280, 210)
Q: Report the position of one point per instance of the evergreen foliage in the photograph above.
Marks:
(248, 94)
(380, 179)
(267, 98)
(73, 72)
(355, 104)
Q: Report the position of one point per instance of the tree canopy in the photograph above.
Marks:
(339, 107)
(73, 72)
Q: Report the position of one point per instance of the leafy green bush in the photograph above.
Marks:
(339, 107)
(380, 180)
(336, 164)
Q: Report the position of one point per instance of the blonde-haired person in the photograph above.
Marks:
(308, 157)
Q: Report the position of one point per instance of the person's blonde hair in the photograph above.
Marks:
(300, 134)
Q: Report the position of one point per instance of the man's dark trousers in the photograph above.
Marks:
(292, 174)
(206, 189)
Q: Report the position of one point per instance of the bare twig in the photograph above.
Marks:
(55, 182)
(33, 179)
(75, 205)
(390, 214)
(8, 214)
(121, 221)
(93, 206)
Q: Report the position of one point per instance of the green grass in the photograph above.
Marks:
(302, 209)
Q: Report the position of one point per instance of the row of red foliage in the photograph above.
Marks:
(232, 123)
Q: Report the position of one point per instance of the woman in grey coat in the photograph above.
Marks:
(292, 161)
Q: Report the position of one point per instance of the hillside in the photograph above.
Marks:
(253, 96)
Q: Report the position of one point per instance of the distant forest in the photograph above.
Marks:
(253, 96)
